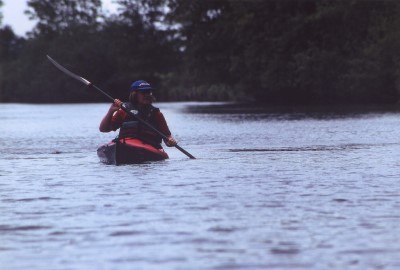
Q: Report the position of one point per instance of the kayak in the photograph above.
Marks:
(129, 151)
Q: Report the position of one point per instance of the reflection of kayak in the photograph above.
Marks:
(129, 151)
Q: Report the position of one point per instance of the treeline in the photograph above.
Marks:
(274, 52)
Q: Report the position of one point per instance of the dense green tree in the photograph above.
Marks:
(1, 14)
(289, 51)
(63, 29)
(276, 52)
(11, 47)
(144, 51)
(232, 43)
(55, 17)
(126, 47)
(205, 46)
(151, 12)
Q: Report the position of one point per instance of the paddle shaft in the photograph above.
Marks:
(90, 85)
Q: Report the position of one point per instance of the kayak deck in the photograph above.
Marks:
(129, 151)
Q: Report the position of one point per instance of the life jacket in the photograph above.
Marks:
(132, 128)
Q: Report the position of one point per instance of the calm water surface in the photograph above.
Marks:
(268, 190)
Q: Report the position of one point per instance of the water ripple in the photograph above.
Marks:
(268, 191)
(10, 228)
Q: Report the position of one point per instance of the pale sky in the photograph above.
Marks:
(13, 15)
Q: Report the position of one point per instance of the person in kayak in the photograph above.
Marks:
(141, 104)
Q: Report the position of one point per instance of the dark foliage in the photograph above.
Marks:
(274, 52)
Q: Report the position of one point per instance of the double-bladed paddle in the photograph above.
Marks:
(89, 84)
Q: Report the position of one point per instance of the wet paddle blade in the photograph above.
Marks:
(66, 71)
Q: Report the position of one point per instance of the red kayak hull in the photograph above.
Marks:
(129, 151)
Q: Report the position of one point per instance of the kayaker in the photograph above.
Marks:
(141, 103)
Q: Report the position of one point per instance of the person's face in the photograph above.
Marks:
(144, 98)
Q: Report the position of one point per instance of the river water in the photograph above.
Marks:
(268, 190)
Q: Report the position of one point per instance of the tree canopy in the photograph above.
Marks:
(56, 17)
(275, 52)
(1, 14)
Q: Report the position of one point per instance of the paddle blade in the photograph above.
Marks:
(66, 71)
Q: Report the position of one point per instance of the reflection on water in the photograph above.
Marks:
(290, 113)
(270, 189)
(342, 147)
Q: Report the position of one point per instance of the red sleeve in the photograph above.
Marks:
(117, 119)
(161, 123)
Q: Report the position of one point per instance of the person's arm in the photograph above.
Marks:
(162, 125)
(106, 122)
